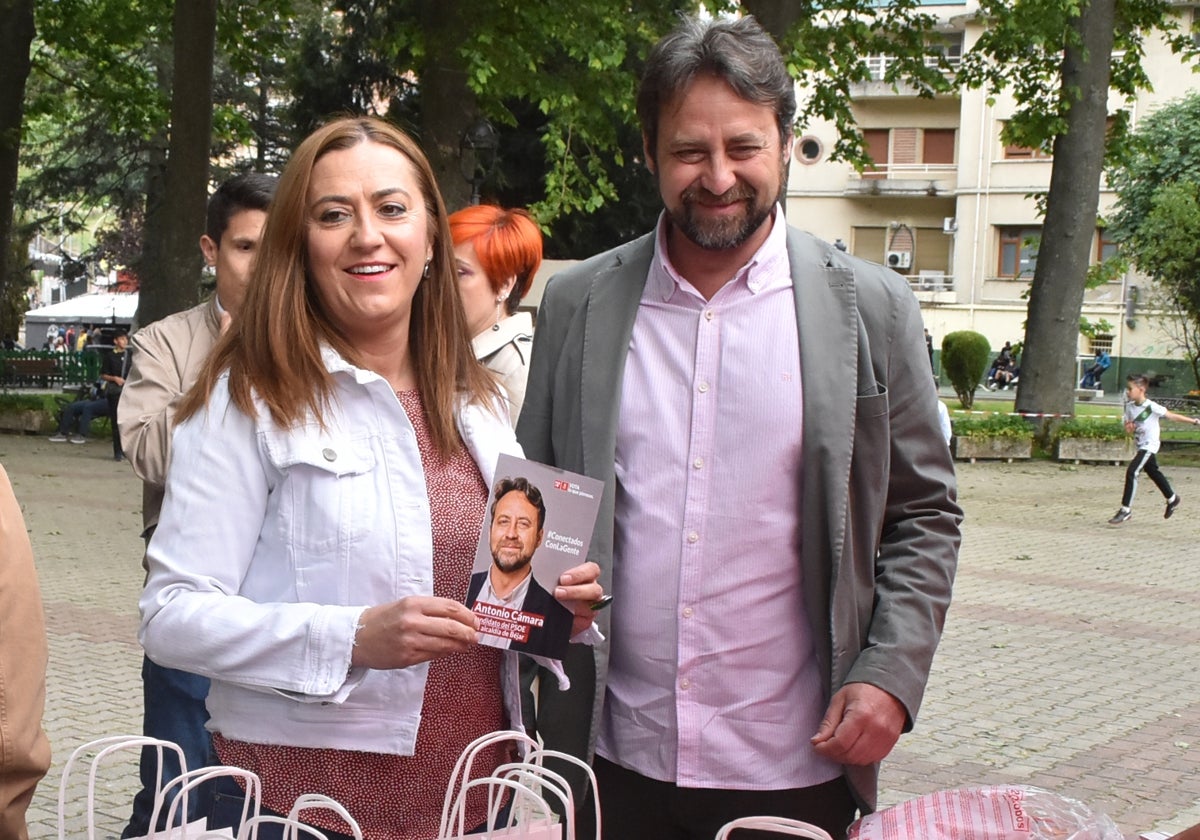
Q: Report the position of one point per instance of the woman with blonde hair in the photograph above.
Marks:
(498, 253)
(328, 481)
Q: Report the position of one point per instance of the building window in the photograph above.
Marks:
(876, 141)
(809, 150)
(1102, 343)
(938, 145)
(1018, 251)
(1106, 248)
(1025, 153)
(1014, 152)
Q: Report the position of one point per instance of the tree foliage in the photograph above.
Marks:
(1157, 219)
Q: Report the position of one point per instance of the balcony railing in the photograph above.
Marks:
(931, 281)
(877, 65)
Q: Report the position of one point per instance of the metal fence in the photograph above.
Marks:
(47, 369)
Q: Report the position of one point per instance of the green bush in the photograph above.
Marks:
(965, 360)
(29, 402)
(994, 425)
(1093, 429)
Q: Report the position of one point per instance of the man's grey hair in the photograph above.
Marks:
(737, 50)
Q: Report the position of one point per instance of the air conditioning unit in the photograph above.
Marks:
(899, 259)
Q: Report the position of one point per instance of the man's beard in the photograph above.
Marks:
(720, 234)
(510, 566)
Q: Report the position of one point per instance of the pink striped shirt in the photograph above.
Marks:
(712, 678)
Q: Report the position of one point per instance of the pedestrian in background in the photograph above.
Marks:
(167, 356)
(1142, 416)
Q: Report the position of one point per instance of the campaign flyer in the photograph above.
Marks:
(538, 524)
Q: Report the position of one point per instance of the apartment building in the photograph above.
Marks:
(947, 204)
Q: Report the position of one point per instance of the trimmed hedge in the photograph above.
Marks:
(965, 359)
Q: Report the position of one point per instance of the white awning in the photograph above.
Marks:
(102, 309)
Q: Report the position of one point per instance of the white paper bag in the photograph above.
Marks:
(778, 825)
(530, 816)
(104, 749)
(542, 826)
(308, 801)
(199, 830)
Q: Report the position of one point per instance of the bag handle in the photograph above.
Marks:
(778, 825)
(193, 779)
(291, 831)
(539, 779)
(306, 801)
(538, 754)
(495, 803)
(106, 746)
(462, 768)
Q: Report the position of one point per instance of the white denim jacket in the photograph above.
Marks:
(271, 544)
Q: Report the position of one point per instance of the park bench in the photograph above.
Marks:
(36, 372)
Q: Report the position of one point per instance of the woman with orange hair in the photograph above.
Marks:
(498, 252)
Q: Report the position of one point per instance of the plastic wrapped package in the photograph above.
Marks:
(1003, 812)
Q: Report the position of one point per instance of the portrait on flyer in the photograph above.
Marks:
(538, 524)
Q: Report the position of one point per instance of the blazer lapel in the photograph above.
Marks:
(611, 310)
(828, 328)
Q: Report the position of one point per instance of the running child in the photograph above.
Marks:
(1142, 416)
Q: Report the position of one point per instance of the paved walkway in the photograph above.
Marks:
(1071, 659)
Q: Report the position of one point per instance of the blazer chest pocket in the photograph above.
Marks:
(328, 495)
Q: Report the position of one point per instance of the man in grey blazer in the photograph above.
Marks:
(779, 527)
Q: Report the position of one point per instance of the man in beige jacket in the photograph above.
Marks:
(24, 748)
(167, 358)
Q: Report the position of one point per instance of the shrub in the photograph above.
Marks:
(994, 425)
(29, 402)
(1091, 428)
(965, 360)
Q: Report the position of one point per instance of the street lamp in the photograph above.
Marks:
(477, 154)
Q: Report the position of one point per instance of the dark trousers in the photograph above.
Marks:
(79, 414)
(113, 399)
(1144, 461)
(174, 710)
(634, 807)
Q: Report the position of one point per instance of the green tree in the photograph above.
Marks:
(1157, 218)
(1060, 59)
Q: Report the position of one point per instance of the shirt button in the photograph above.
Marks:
(708, 314)
(687, 612)
(685, 684)
(703, 388)
(329, 454)
(698, 463)
(693, 537)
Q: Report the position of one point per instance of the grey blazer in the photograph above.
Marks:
(880, 522)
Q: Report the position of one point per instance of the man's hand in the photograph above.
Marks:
(412, 630)
(577, 589)
(861, 725)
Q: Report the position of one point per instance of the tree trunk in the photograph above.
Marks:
(447, 104)
(15, 37)
(1056, 298)
(176, 285)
